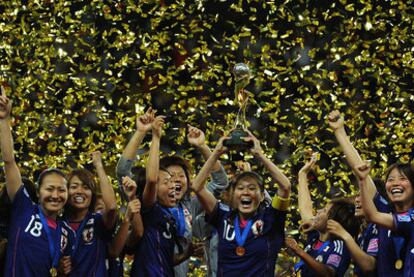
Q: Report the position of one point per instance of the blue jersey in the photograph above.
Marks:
(28, 251)
(263, 242)
(155, 250)
(404, 224)
(89, 254)
(332, 253)
(388, 245)
(368, 242)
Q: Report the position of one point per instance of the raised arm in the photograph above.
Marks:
(336, 122)
(12, 171)
(304, 197)
(277, 174)
(317, 267)
(108, 194)
(206, 198)
(366, 262)
(371, 212)
(136, 223)
(153, 165)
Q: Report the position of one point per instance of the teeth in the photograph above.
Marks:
(396, 190)
(178, 188)
(79, 199)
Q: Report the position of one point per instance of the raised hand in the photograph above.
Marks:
(144, 121)
(157, 125)
(130, 187)
(96, 158)
(133, 208)
(310, 165)
(336, 229)
(5, 104)
(220, 148)
(195, 136)
(306, 226)
(256, 149)
(362, 170)
(292, 244)
(335, 120)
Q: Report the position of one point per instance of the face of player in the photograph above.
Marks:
(247, 196)
(399, 190)
(53, 194)
(80, 195)
(321, 218)
(166, 191)
(359, 212)
(179, 179)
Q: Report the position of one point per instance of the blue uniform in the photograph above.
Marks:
(368, 242)
(404, 224)
(331, 252)
(388, 242)
(155, 250)
(28, 251)
(263, 242)
(89, 254)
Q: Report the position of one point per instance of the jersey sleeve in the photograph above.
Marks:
(21, 202)
(404, 224)
(339, 257)
(381, 203)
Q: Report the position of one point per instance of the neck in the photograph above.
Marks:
(245, 216)
(77, 215)
(402, 207)
(324, 236)
(49, 214)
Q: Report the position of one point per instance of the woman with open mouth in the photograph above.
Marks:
(93, 230)
(38, 239)
(250, 235)
(392, 246)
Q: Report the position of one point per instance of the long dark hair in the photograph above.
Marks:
(343, 211)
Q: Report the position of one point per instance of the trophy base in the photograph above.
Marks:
(236, 142)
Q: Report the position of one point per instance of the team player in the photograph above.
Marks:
(38, 239)
(93, 230)
(324, 254)
(250, 235)
(390, 248)
(400, 180)
(154, 253)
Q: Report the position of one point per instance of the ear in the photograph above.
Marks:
(262, 196)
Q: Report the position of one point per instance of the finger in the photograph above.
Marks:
(3, 91)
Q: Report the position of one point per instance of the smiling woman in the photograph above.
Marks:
(35, 229)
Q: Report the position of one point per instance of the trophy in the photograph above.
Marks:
(242, 76)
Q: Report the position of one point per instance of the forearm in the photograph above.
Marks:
(12, 172)
(366, 262)
(119, 241)
(352, 156)
(206, 153)
(304, 197)
(201, 178)
(137, 226)
(319, 268)
(371, 212)
(207, 200)
(152, 169)
(277, 174)
(108, 193)
(130, 150)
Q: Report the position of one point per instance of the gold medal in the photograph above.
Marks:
(398, 264)
(53, 272)
(240, 250)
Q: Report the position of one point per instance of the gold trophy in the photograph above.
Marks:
(242, 76)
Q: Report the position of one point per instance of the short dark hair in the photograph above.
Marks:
(177, 160)
(404, 168)
(343, 211)
(46, 172)
(87, 179)
(247, 174)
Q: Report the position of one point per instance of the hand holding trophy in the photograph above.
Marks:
(242, 76)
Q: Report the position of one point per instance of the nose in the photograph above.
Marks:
(55, 193)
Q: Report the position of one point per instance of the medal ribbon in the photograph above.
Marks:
(299, 264)
(241, 238)
(54, 245)
(78, 234)
(178, 213)
(399, 241)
